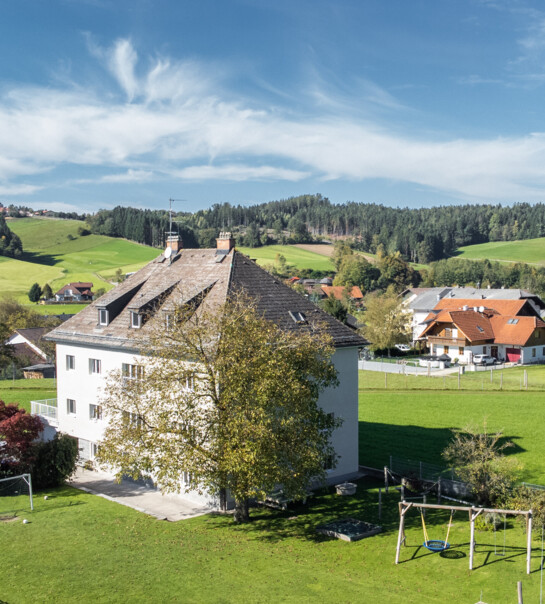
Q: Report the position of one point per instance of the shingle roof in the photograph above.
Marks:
(33, 334)
(187, 274)
(474, 325)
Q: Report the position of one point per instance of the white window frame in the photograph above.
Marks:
(95, 412)
(95, 366)
(132, 372)
(70, 406)
(70, 362)
(103, 316)
(136, 320)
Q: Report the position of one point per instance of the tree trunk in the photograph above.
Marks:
(223, 500)
(241, 511)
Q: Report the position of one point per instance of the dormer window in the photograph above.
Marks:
(169, 320)
(103, 317)
(136, 320)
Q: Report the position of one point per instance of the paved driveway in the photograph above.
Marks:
(137, 496)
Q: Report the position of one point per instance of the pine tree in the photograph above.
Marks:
(35, 293)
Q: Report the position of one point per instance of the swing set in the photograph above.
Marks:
(437, 545)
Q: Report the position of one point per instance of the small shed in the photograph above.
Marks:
(39, 372)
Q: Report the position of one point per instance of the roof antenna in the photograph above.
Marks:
(171, 234)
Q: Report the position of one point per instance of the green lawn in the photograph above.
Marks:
(528, 250)
(295, 256)
(24, 391)
(82, 548)
(50, 257)
(412, 417)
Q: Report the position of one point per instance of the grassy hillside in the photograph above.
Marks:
(300, 258)
(50, 256)
(529, 250)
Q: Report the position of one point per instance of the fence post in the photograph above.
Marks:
(386, 478)
(379, 503)
(459, 374)
(439, 490)
(501, 380)
(385, 380)
(491, 375)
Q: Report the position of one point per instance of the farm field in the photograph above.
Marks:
(528, 250)
(51, 257)
(297, 257)
(413, 416)
(93, 550)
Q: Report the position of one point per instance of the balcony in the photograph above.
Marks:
(47, 409)
(448, 341)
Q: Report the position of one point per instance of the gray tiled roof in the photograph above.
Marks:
(186, 275)
(427, 300)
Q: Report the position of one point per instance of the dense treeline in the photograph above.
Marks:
(10, 244)
(484, 273)
(143, 226)
(420, 235)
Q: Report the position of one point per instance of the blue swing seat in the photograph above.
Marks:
(436, 545)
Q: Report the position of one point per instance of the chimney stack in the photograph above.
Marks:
(174, 242)
(225, 242)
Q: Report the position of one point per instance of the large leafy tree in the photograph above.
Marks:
(386, 321)
(227, 398)
(18, 431)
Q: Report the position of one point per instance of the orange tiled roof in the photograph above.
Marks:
(503, 307)
(474, 325)
(337, 291)
(506, 331)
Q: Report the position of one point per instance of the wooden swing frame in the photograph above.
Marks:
(474, 512)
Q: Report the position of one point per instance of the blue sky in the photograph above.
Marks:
(399, 102)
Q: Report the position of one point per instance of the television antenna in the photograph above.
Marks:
(170, 211)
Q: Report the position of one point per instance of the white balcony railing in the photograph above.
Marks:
(47, 409)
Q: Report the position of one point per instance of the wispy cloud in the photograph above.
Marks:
(172, 122)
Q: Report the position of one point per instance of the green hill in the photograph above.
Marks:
(54, 253)
(297, 257)
(529, 250)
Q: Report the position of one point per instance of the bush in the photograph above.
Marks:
(55, 461)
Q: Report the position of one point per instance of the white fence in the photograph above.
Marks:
(47, 409)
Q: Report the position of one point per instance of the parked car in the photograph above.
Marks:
(403, 347)
(483, 359)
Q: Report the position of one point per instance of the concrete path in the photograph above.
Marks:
(137, 496)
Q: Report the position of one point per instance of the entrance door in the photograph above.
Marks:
(494, 351)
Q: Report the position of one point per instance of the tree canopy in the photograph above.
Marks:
(386, 321)
(227, 400)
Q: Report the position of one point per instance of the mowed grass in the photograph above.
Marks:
(24, 391)
(81, 548)
(50, 257)
(412, 417)
(528, 250)
(297, 257)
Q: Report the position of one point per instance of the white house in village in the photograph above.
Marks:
(421, 301)
(106, 336)
(508, 330)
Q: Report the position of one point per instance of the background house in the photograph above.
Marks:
(75, 292)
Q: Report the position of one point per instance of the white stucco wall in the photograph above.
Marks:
(85, 388)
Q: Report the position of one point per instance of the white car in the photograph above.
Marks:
(403, 347)
(483, 359)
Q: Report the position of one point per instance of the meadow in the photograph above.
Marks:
(78, 547)
(531, 251)
(295, 256)
(54, 253)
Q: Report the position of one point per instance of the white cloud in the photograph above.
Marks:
(240, 173)
(19, 189)
(179, 123)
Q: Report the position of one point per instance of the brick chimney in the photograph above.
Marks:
(225, 242)
(174, 242)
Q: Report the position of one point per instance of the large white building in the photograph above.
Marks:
(107, 336)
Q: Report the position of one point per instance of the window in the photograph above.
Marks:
(512, 321)
(169, 320)
(70, 406)
(533, 352)
(480, 328)
(190, 382)
(103, 316)
(484, 349)
(133, 419)
(454, 333)
(445, 350)
(136, 320)
(94, 450)
(329, 462)
(95, 412)
(460, 350)
(187, 477)
(298, 317)
(132, 372)
(448, 332)
(70, 362)
(95, 366)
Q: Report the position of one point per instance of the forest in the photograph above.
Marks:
(421, 235)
